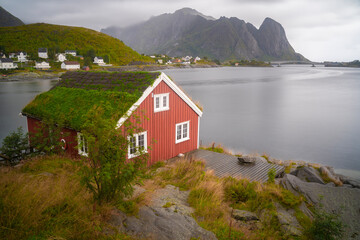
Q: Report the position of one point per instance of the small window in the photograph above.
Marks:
(161, 102)
(182, 132)
(82, 145)
(137, 144)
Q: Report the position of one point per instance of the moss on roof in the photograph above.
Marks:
(78, 92)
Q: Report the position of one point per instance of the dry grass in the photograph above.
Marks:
(44, 199)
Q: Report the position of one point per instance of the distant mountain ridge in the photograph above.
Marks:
(8, 20)
(188, 32)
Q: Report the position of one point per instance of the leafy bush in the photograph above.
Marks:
(326, 226)
(15, 146)
(240, 191)
(271, 175)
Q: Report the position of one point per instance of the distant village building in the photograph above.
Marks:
(71, 52)
(187, 58)
(152, 56)
(99, 60)
(2, 55)
(169, 62)
(12, 55)
(86, 68)
(43, 53)
(22, 57)
(60, 57)
(70, 65)
(42, 65)
(7, 63)
(197, 59)
(160, 61)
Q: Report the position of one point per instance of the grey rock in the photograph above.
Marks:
(329, 172)
(246, 159)
(332, 199)
(347, 185)
(158, 222)
(289, 223)
(308, 174)
(243, 215)
(331, 184)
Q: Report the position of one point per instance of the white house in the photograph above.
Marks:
(160, 61)
(7, 63)
(42, 65)
(43, 53)
(22, 57)
(99, 60)
(70, 52)
(187, 58)
(197, 59)
(169, 62)
(70, 65)
(60, 57)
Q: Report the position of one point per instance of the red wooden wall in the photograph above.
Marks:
(160, 126)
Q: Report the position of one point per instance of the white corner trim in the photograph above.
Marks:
(146, 93)
(198, 136)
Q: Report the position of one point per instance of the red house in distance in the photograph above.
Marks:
(173, 119)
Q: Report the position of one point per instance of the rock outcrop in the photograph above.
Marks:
(308, 174)
(342, 200)
(8, 20)
(167, 217)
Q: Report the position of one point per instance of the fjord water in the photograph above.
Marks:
(289, 112)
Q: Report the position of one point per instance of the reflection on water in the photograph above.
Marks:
(299, 113)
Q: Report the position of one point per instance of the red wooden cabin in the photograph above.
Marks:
(173, 119)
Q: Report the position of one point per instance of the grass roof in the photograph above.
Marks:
(78, 92)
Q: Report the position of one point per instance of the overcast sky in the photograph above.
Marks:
(319, 29)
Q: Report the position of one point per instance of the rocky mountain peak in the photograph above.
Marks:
(190, 11)
(8, 20)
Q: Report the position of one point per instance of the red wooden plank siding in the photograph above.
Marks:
(70, 136)
(160, 126)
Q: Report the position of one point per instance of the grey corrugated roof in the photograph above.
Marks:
(42, 50)
(6, 60)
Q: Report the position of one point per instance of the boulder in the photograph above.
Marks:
(341, 200)
(329, 172)
(288, 222)
(243, 215)
(349, 181)
(308, 174)
(250, 159)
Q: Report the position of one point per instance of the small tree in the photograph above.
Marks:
(15, 146)
(107, 172)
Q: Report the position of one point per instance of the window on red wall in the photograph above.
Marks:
(182, 132)
(161, 102)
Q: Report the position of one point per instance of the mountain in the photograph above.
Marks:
(188, 32)
(8, 20)
(60, 38)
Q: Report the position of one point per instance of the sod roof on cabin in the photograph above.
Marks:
(78, 92)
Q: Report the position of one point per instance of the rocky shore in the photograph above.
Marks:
(22, 76)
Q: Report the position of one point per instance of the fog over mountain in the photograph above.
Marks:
(189, 32)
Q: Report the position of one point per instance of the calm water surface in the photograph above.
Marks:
(291, 112)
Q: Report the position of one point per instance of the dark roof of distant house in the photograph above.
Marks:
(99, 57)
(6, 60)
(21, 52)
(78, 92)
(42, 49)
(71, 63)
(70, 51)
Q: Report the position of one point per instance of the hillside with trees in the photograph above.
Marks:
(58, 38)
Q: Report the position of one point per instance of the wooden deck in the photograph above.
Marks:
(227, 165)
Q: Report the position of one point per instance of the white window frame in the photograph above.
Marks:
(161, 102)
(182, 139)
(82, 145)
(136, 136)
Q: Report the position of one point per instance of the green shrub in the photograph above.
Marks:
(271, 175)
(15, 146)
(240, 191)
(326, 226)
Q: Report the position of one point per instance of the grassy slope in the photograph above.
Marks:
(45, 200)
(36, 205)
(33, 36)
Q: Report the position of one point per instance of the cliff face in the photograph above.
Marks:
(8, 20)
(188, 32)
